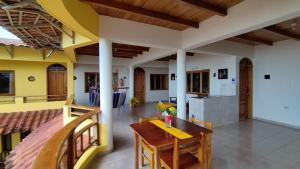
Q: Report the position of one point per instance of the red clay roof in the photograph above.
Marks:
(24, 154)
(15, 42)
(26, 121)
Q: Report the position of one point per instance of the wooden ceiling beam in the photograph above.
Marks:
(174, 57)
(128, 51)
(124, 54)
(283, 32)
(26, 26)
(208, 6)
(142, 11)
(43, 15)
(20, 18)
(257, 40)
(130, 47)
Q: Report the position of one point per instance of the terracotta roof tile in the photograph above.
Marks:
(15, 42)
(25, 121)
(25, 153)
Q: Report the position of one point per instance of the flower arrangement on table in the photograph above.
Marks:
(166, 110)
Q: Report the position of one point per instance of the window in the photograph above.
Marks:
(159, 82)
(7, 142)
(7, 83)
(91, 79)
(198, 82)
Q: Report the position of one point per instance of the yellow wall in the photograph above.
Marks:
(29, 62)
(15, 139)
(29, 54)
(23, 69)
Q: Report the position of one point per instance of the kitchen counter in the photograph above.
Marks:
(220, 110)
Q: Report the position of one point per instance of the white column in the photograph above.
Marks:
(105, 67)
(131, 81)
(181, 84)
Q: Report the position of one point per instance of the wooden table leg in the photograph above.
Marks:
(136, 150)
(208, 150)
(157, 158)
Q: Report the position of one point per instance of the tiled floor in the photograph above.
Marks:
(245, 145)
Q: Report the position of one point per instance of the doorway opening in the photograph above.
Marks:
(57, 82)
(139, 84)
(246, 88)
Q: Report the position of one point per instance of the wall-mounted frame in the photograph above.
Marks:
(173, 76)
(223, 73)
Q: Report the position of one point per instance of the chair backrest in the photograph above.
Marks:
(202, 122)
(144, 119)
(189, 146)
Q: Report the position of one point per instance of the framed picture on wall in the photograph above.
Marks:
(223, 73)
(173, 76)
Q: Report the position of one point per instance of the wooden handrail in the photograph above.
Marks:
(70, 100)
(83, 107)
(48, 158)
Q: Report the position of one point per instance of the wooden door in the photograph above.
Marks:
(139, 84)
(57, 85)
(245, 89)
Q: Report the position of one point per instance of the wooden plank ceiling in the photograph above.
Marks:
(29, 21)
(267, 36)
(173, 14)
(119, 50)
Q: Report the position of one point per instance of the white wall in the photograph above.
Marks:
(277, 99)
(155, 95)
(79, 69)
(90, 64)
(227, 47)
(213, 63)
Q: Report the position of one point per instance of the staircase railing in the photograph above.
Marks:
(65, 148)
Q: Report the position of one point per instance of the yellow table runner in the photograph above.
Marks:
(174, 131)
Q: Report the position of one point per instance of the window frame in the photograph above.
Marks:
(13, 83)
(164, 84)
(201, 83)
(86, 90)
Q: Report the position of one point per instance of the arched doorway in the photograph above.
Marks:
(246, 92)
(139, 84)
(57, 82)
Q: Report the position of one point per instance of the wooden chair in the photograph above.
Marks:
(181, 156)
(147, 153)
(201, 122)
(205, 124)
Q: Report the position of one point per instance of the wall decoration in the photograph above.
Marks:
(31, 78)
(223, 73)
(173, 76)
(267, 77)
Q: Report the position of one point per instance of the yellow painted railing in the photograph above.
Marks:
(66, 147)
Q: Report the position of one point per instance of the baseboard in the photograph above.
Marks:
(277, 123)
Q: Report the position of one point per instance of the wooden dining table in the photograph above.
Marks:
(159, 139)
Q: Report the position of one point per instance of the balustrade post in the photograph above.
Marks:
(70, 151)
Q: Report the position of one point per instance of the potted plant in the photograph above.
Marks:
(168, 111)
(134, 101)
